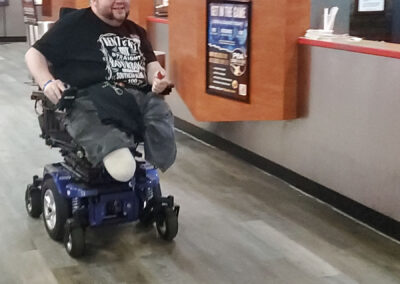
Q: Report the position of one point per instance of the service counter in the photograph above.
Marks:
(378, 48)
(351, 119)
(157, 32)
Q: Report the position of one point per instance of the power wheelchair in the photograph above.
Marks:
(73, 195)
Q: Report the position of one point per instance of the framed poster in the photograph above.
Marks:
(30, 15)
(228, 48)
(4, 3)
(370, 6)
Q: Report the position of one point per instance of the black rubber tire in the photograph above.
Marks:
(62, 210)
(33, 201)
(75, 236)
(167, 224)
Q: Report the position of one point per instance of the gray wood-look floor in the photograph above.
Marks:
(237, 223)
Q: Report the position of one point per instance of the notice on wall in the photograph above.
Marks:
(228, 31)
(30, 15)
(4, 3)
(371, 5)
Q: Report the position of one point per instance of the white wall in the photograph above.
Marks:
(342, 23)
(14, 26)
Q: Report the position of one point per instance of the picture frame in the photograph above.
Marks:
(228, 49)
(370, 6)
(4, 3)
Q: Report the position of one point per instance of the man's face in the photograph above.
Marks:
(113, 10)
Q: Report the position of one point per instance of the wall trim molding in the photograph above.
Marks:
(12, 38)
(362, 213)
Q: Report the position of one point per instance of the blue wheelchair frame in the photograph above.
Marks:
(128, 197)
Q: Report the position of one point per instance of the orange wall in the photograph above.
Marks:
(51, 8)
(139, 11)
(275, 27)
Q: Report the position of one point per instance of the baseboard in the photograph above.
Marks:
(368, 216)
(12, 38)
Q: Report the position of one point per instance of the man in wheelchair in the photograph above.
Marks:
(107, 65)
(109, 59)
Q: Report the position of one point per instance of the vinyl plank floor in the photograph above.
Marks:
(237, 223)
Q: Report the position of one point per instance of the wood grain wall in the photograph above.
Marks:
(275, 27)
(139, 11)
(51, 8)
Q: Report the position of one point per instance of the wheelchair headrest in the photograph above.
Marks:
(65, 10)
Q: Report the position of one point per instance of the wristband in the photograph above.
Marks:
(45, 84)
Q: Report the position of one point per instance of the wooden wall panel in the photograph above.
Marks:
(140, 10)
(55, 5)
(46, 8)
(292, 61)
(276, 25)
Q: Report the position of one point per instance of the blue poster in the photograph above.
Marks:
(228, 49)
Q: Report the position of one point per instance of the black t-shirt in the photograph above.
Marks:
(84, 50)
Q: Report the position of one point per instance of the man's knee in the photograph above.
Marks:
(120, 164)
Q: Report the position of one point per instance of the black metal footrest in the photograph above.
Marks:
(176, 210)
(37, 182)
(164, 201)
(155, 207)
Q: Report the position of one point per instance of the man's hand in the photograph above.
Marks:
(53, 90)
(160, 83)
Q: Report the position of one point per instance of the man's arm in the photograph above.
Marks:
(38, 66)
(158, 84)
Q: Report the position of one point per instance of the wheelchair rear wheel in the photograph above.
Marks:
(55, 210)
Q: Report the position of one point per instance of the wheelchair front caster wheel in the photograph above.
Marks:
(74, 241)
(167, 224)
(33, 201)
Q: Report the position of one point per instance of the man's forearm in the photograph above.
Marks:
(38, 66)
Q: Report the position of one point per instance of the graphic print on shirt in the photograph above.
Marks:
(124, 59)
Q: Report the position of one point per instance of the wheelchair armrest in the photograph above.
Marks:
(167, 90)
(65, 102)
(38, 95)
(68, 97)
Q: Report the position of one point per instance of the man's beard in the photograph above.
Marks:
(111, 16)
